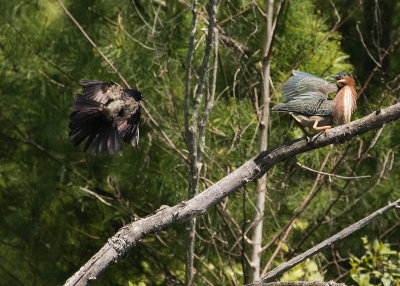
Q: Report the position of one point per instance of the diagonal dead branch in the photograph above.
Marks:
(298, 283)
(130, 235)
(340, 235)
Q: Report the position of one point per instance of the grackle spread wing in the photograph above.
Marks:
(106, 114)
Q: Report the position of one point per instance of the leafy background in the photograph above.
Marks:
(49, 224)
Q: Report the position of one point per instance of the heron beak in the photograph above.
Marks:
(332, 77)
(144, 99)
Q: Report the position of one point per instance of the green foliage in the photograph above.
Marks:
(50, 224)
(380, 265)
(305, 271)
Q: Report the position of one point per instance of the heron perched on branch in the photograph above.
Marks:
(308, 102)
(105, 113)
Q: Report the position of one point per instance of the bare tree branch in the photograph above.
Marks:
(195, 131)
(190, 140)
(365, 46)
(130, 235)
(289, 226)
(95, 195)
(298, 283)
(255, 264)
(188, 70)
(362, 155)
(340, 235)
(330, 174)
(267, 55)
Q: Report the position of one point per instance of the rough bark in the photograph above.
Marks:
(130, 235)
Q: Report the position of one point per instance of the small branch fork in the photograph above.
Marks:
(340, 235)
(130, 235)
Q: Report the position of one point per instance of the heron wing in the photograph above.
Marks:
(307, 105)
(302, 83)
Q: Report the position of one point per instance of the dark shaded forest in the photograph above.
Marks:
(210, 81)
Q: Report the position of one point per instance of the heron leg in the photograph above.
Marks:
(316, 127)
(308, 136)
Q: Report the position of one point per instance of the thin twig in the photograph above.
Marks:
(50, 79)
(340, 235)
(329, 174)
(320, 221)
(93, 43)
(289, 226)
(119, 24)
(364, 193)
(95, 195)
(336, 12)
(131, 37)
(365, 46)
(140, 15)
(390, 229)
(371, 75)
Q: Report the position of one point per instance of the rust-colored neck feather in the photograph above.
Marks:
(345, 102)
(349, 81)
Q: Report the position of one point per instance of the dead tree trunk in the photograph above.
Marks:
(256, 242)
(195, 129)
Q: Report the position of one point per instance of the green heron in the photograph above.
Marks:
(105, 113)
(308, 102)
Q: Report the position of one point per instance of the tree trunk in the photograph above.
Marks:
(262, 182)
(195, 132)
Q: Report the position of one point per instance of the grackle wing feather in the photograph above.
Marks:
(105, 114)
(100, 91)
(302, 83)
(87, 121)
(129, 129)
